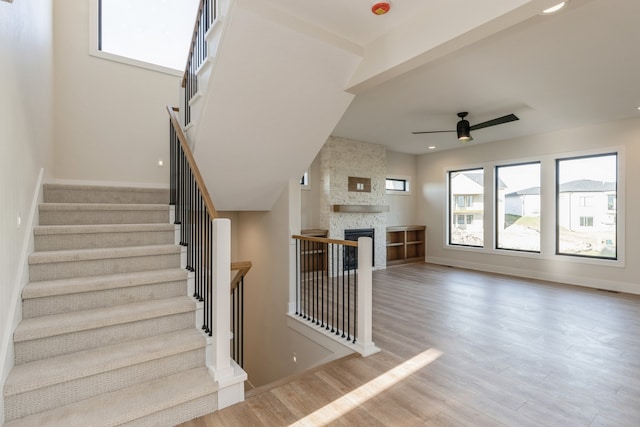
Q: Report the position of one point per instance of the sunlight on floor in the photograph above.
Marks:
(354, 398)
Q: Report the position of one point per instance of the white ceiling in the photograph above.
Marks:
(576, 67)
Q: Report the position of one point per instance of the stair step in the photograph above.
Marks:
(58, 296)
(65, 193)
(102, 213)
(45, 384)
(68, 237)
(56, 265)
(58, 334)
(165, 401)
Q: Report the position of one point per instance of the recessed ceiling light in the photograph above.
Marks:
(554, 9)
(433, 147)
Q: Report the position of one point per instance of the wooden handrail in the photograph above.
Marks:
(353, 243)
(193, 42)
(243, 268)
(192, 163)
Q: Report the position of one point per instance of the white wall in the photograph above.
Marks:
(25, 148)
(310, 198)
(111, 122)
(402, 206)
(608, 136)
(263, 239)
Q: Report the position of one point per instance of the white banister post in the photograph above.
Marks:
(364, 342)
(221, 270)
(229, 376)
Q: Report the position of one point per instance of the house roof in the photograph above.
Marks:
(478, 178)
(525, 192)
(578, 186)
(587, 186)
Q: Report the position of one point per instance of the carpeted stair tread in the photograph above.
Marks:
(101, 207)
(100, 283)
(127, 404)
(101, 253)
(42, 373)
(59, 324)
(83, 193)
(44, 230)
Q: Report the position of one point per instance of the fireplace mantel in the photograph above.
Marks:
(360, 208)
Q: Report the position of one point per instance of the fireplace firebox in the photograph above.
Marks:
(350, 261)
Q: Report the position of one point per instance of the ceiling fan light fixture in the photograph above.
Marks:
(463, 128)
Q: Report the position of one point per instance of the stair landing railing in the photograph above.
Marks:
(198, 52)
(333, 289)
(206, 239)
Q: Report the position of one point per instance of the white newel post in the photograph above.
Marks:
(364, 343)
(229, 376)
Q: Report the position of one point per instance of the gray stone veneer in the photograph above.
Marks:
(341, 158)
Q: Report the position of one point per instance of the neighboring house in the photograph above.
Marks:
(467, 205)
(524, 202)
(588, 206)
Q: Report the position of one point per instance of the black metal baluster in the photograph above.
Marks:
(242, 321)
(322, 289)
(317, 313)
(355, 305)
(210, 274)
(297, 252)
(307, 310)
(332, 263)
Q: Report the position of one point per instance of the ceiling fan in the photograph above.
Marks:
(464, 128)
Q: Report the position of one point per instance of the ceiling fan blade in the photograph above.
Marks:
(433, 131)
(500, 120)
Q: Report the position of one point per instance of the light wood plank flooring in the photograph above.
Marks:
(462, 348)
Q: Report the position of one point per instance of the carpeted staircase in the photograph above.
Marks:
(108, 334)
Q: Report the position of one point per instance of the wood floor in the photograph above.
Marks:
(462, 348)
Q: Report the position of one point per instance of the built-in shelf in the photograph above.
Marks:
(361, 208)
(315, 254)
(405, 244)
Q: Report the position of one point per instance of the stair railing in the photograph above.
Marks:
(237, 310)
(198, 52)
(333, 290)
(207, 242)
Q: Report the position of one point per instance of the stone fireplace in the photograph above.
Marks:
(344, 207)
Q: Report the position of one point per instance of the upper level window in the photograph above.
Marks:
(586, 190)
(152, 34)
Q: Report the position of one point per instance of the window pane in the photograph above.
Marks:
(154, 31)
(466, 195)
(518, 207)
(396, 184)
(586, 207)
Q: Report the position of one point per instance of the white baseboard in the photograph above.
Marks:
(550, 276)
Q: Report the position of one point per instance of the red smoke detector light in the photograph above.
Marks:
(380, 8)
